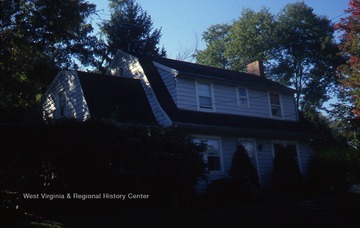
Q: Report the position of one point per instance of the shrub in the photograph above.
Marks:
(240, 187)
(169, 164)
(286, 173)
(90, 157)
(334, 168)
(243, 170)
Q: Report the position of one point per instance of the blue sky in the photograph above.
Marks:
(183, 21)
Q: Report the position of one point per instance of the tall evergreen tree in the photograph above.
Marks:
(130, 29)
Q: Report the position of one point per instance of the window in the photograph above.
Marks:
(204, 92)
(275, 105)
(242, 97)
(212, 153)
(62, 104)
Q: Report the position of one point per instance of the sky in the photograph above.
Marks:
(182, 22)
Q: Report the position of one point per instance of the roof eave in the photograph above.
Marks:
(245, 132)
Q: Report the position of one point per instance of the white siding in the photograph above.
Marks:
(225, 99)
(229, 148)
(289, 108)
(186, 94)
(305, 157)
(265, 161)
(265, 156)
(76, 106)
(125, 65)
(169, 80)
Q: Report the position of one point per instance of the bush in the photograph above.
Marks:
(286, 173)
(93, 157)
(242, 185)
(243, 170)
(334, 168)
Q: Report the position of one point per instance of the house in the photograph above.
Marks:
(221, 107)
(74, 94)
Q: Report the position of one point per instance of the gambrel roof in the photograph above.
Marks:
(116, 98)
(227, 123)
(194, 70)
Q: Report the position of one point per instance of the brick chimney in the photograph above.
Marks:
(256, 68)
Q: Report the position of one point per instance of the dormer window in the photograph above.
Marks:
(205, 98)
(242, 97)
(62, 104)
(275, 105)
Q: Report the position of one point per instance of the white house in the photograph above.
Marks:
(220, 106)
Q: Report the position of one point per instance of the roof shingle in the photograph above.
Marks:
(117, 98)
(246, 124)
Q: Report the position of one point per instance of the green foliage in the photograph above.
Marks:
(233, 46)
(92, 157)
(251, 38)
(296, 46)
(286, 173)
(35, 43)
(242, 169)
(334, 168)
(213, 55)
(307, 56)
(130, 29)
(240, 187)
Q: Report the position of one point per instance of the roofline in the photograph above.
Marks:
(56, 78)
(166, 68)
(178, 73)
(114, 61)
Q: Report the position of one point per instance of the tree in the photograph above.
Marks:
(350, 47)
(296, 46)
(251, 38)
(243, 169)
(35, 43)
(286, 175)
(307, 55)
(213, 55)
(130, 29)
(163, 162)
(235, 45)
